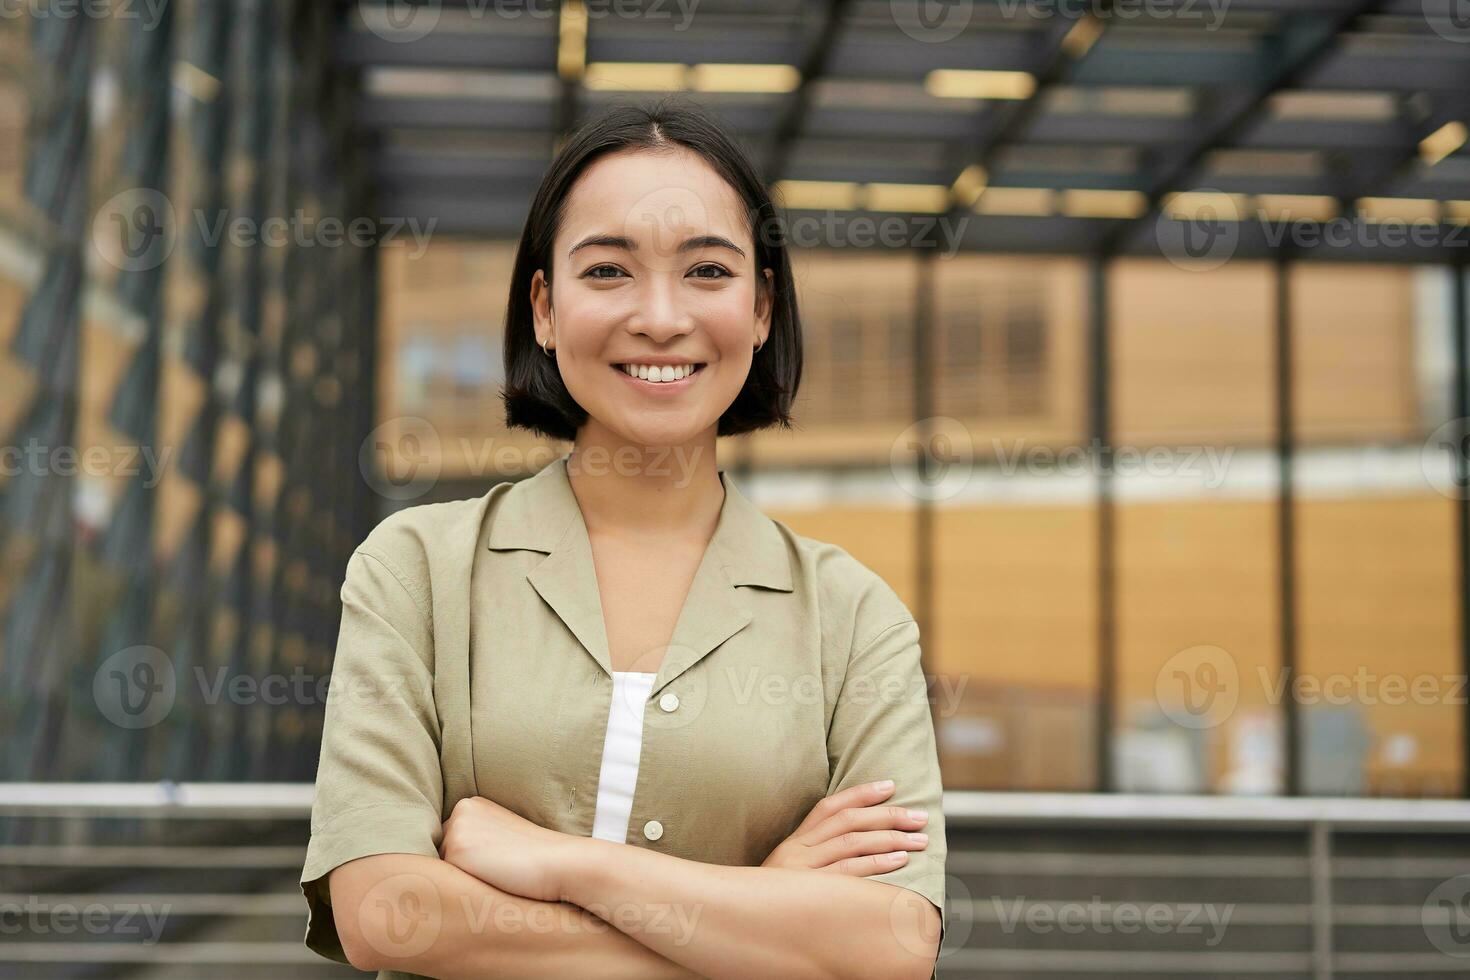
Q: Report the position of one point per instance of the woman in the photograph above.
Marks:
(607, 721)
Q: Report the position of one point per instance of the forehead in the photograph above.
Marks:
(645, 193)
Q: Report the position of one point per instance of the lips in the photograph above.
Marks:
(660, 387)
(659, 373)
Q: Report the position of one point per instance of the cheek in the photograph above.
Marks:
(585, 324)
(728, 320)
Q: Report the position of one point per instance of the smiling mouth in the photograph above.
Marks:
(659, 375)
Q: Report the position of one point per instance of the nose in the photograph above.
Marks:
(660, 315)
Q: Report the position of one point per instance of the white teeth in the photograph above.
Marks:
(655, 373)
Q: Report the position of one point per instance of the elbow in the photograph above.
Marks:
(362, 930)
(916, 946)
(361, 951)
(910, 953)
(360, 955)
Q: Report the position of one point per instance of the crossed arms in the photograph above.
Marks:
(507, 898)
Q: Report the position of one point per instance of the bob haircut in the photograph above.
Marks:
(535, 396)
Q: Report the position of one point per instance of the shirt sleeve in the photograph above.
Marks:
(882, 729)
(379, 787)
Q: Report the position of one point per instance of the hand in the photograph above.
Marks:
(506, 850)
(849, 833)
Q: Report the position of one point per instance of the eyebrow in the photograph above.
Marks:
(688, 245)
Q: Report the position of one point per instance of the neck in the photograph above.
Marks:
(625, 489)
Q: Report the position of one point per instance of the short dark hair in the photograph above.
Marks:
(534, 394)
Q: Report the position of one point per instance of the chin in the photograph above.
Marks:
(658, 436)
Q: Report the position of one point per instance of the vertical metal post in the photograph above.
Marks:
(1285, 524)
(1320, 863)
(923, 378)
(38, 634)
(1460, 460)
(1099, 393)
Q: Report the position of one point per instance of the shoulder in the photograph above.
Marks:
(855, 602)
(413, 540)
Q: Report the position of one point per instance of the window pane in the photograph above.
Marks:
(442, 332)
(1014, 638)
(1196, 553)
(1381, 709)
(857, 383)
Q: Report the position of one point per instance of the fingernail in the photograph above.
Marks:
(897, 856)
(883, 784)
(919, 838)
(918, 814)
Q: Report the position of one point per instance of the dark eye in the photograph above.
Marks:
(719, 271)
(614, 270)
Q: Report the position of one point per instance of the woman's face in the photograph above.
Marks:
(654, 265)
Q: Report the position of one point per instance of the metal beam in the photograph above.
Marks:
(503, 50)
(1400, 164)
(1001, 124)
(799, 104)
(565, 117)
(1282, 61)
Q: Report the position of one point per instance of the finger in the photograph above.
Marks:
(865, 818)
(859, 843)
(869, 864)
(864, 794)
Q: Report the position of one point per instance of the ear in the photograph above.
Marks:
(765, 301)
(541, 307)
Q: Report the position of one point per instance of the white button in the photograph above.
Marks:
(653, 830)
(669, 702)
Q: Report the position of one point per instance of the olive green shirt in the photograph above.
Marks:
(472, 661)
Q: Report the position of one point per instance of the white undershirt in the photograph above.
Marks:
(620, 752)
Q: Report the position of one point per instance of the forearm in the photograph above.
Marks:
(422, 915)
(738, 922)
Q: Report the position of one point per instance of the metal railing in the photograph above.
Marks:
(1038, 884)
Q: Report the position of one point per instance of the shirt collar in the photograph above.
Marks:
(538, 511)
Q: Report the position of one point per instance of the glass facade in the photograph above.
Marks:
(1087, 627)
(184, 361)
